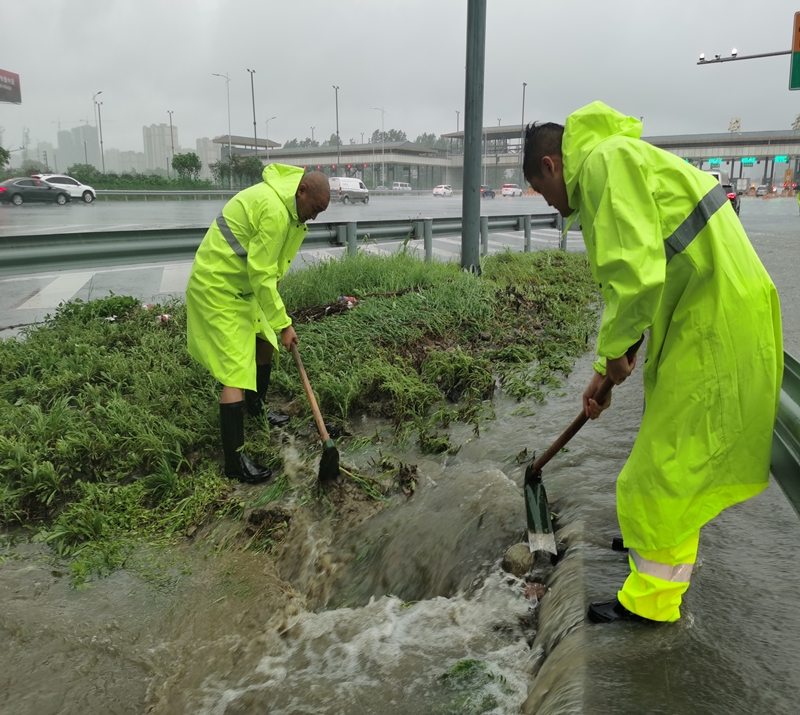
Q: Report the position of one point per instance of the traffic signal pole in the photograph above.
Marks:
(473, 127)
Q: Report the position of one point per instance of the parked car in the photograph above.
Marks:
(76, 189)
(761, 190)
(510, 190)
(443, 190)
(401, 186)
(487, 192)
(734, 196)
(348, 190)
(18, 191)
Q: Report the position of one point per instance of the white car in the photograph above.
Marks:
(75, 188)
(443, 190)
(401, 186)
(510, 190)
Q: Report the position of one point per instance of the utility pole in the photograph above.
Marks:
(95, 108)
(230, 153)
(255, 129)
(338, 140)
(473, 121)
(171, 135)
(100, 120)
(522, 138)
(383, 146)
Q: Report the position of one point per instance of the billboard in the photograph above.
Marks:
(9, 88)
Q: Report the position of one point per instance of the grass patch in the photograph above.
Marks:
(109, 430)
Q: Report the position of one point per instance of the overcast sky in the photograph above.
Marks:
(150, 56)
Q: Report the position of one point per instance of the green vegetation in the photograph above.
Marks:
(109, 430)
(88, 174)
(187, 165)
(473, 688)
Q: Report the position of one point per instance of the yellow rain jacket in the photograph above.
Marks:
(232, 296)
(670, 256)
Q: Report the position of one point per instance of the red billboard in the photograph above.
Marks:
(9, 88)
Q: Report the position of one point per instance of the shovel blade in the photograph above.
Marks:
(537, 512)
(329, 462)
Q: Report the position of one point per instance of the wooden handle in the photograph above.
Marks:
(323, 432)
(581, 419)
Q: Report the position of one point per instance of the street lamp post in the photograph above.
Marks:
(255, 129)
(312, 133)
(457, 118)
(338, 140)
(171, 134)
(100, 121)
(267, 123)
(228, 91)
(383, 147)
(522, 135)
(94, 102)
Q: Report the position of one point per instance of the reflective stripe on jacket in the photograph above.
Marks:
(670, 256)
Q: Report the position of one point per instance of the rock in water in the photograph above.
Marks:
(518, 560)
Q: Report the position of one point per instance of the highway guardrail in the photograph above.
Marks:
(786, 441)
(21, 255)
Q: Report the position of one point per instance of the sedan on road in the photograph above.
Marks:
(510, 190)
(18, 191)
(443, 190)
(487, 192)
(75, 188)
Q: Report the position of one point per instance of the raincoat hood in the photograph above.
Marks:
(284, 180)
(584, 130)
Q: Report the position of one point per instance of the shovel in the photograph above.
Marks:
(329, 462)
(537, 510)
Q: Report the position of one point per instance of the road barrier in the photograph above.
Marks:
(786, 441)
(216, 194)
(55, 252)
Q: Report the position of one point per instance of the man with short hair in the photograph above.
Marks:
(234, 311)
(670, 256)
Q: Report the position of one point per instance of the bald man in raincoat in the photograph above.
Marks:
(235, 314)
(671, 258)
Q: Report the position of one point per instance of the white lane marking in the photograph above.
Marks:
(174, 278)
(59, 291)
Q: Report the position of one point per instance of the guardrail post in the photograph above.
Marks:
(562, 239)
(428, 226)
(527, 229)
(341, 234)
(418, 229)
(352, 241)
(785, 465)
(484, 235)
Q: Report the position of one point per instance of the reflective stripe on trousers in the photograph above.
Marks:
(658, 580)
(233, 242)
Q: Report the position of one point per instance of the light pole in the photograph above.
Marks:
(522, 136)
(94, 102)
(312, 133)
(255, 130)
(383, 146)
(457, 116)
(362, 137)
(100, 121)
(338, 140)
(171, 135)
(267, 123)
(228, 91)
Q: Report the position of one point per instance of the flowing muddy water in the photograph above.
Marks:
(370, 612)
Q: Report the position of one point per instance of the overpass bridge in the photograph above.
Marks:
(760, 157)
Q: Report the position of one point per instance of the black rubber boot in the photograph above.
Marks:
(237, 464)
(617, 544)
(255, 401)
(612, 612)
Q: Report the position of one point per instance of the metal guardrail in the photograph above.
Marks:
(54, 252)
(786, 440)
(206, 194)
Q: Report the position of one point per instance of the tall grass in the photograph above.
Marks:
(109, 430)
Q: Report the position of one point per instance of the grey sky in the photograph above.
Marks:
(149, 57)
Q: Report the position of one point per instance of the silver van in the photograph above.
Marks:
(348, 190)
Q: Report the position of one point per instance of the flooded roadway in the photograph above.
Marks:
(217, 638)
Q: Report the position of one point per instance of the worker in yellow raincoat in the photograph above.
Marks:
(671, 258)
(234, 311)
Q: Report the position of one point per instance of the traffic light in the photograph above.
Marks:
(365, 166)
(348, 166)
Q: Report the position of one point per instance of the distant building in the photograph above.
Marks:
(125, 162)
(209, 152)
(158, 145)
(79, 145)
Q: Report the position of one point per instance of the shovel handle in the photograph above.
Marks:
(323, 432)
(581, 419)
